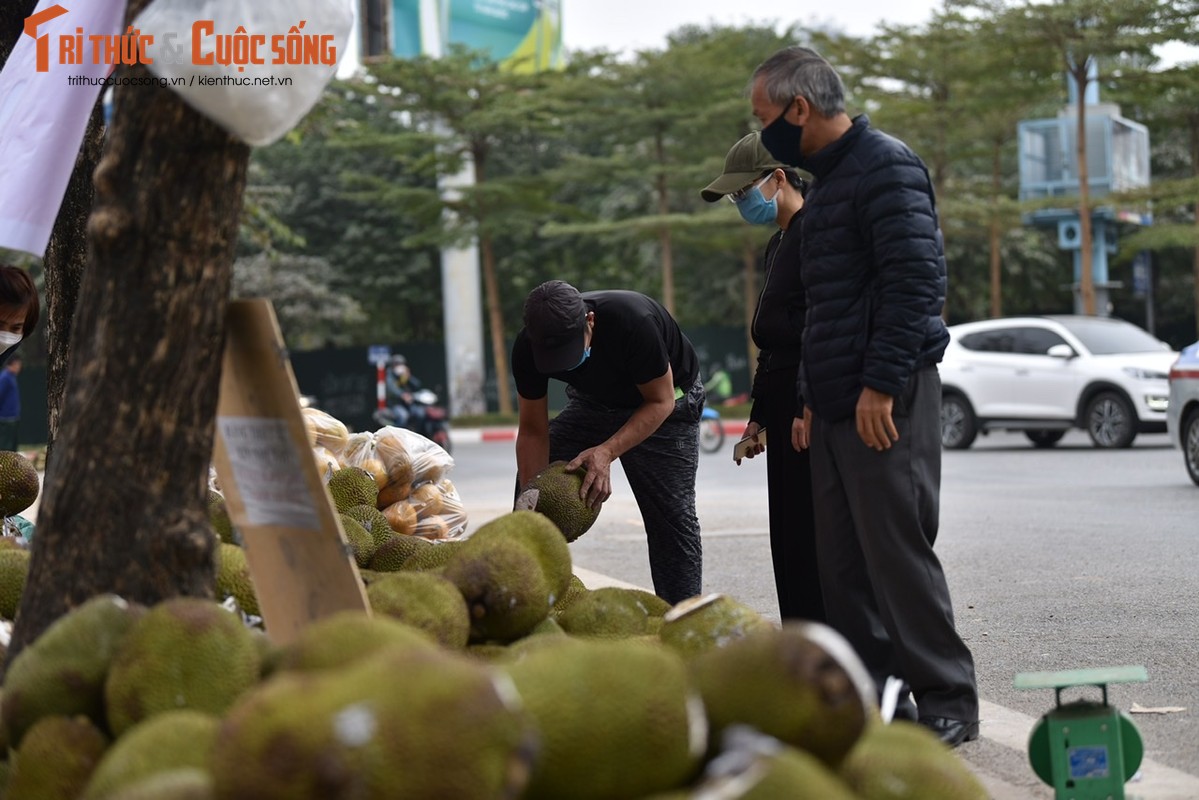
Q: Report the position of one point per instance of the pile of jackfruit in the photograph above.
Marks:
(488, 670)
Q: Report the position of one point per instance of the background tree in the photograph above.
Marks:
(122, 508)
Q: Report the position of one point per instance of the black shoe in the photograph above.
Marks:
(951, 731)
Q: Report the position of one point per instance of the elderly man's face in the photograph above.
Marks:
(766, 110)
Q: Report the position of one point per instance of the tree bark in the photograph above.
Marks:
(664, 239)
(1195, 173)
(123, 505)
(995, 233)
(491, 290)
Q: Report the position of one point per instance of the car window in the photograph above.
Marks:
(997, 341)
(1107, 336)
(1036, 341)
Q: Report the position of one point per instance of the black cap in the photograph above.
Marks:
(555, 321)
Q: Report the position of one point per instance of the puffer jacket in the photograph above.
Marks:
(873, 266)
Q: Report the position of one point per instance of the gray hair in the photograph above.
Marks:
(802, 72)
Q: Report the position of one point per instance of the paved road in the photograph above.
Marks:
(1057, 559)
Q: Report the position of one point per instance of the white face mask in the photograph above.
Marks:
(7, 339)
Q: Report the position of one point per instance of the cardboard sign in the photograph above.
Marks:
(299, 560)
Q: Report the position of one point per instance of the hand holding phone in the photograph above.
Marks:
(750, 446)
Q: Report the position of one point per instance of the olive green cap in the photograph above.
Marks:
(747, 160)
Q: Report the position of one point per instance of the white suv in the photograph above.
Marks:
(1183, 419)
(1045, 375)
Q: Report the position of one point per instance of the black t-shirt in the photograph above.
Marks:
(635, 338)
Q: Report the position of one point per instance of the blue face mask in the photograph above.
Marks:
(586, 355)
(755, 208)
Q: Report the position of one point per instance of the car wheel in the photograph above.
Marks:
(1044, 438)
(1110, 421)
(958, 426)
(1190, 444)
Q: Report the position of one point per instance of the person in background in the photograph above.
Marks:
(400, 385)
(633, 393)
(19, 309)
(873, 269)
(10, 403)
(766, 192)
(720, 386)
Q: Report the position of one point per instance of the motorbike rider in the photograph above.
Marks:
(401, 385)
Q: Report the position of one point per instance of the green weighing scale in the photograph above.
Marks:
(1085, 750)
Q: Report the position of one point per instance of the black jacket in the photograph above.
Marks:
(778, 321)
(873, 266)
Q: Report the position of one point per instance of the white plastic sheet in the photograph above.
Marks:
(254, 68)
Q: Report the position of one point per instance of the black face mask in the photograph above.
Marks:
(781, 139)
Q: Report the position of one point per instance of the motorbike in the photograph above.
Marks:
(711, 430)
(433, 423)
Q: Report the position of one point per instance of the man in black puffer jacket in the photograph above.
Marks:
(873, 267)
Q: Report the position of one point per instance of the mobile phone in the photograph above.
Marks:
(745, 445)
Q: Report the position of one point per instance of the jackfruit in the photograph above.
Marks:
(434, 557)
(906, 761)
(233, 578)
(802, 684)
(511, 572)
(19, 485)
(609, 612)
(183, 653)
(752, 766)
(165, 742)
(346, 637)
(425, 601)
(63, 671)
(558, 498)
(218, 517)
(362, 545)
(56, 759)
(698, 624)
(418, 724)
(575, 588)
(394, 552)
(14, 569)
(373, 520)
(187, 783)
(616, 718)
(352, 486)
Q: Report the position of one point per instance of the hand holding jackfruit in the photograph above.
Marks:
(557, 496)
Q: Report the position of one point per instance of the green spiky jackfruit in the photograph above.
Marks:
(353, 486)
(906, 761)
(176, 784)
(371, 519)
(426, 601)
(403, 723)
(168, 741)
(558, 498)
(63, 671)
(218, 517)
(616, 718)
(183, 653)
(19, 484)
(394, 553)
(14, 569)
(752, 766)
(345, 637)
(233, 577)
(801, 683)
(359, 540)
(699, 624)
(609, 612)
(575, 588)
(511, 572)
(56, 759)
(433, 557)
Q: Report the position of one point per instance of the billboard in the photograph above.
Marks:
(523, 35)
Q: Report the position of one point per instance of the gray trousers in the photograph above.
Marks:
(661, 472)
(876, 521)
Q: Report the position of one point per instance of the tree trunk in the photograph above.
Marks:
(664, 239)
(1086, 277)
(749, 263)
(491, 288)
(123, 506)
(1195, 173)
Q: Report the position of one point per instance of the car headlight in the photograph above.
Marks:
(1157, 403)
(1142, 374)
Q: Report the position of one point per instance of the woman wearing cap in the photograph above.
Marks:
(766, 192)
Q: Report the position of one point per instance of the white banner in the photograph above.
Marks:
(47, 91)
